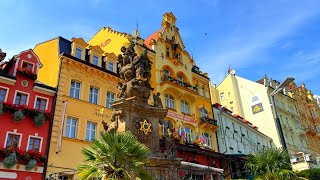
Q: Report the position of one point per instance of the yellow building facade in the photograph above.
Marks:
(86, 78)
(310, 116)
(184, 88)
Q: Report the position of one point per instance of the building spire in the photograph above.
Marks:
(136, 33)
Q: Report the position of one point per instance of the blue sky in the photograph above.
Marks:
(279, 38)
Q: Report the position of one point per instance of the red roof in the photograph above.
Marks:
(217, 105)
(153, 36)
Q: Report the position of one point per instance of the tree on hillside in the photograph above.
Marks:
(114, 156)
(270, 164)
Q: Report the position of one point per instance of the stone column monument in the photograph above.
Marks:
(133, 113)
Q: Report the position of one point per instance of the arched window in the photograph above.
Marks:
(185, 107)
(166, 73)
(203, 112)
(180, 80)
(169, 101)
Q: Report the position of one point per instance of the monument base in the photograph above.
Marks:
(142, 120)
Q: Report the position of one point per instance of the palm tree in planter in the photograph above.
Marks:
(114, 156)
(271, 164)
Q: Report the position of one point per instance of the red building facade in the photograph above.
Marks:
(26, 108)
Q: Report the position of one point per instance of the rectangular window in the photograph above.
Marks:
(111, 66)
(95, 60)
(3, 93)
(93, 96)
(222, 96)
(71, 127)
(91, 131)
(79, 53)
(178, 57)
(13, 141)
(204, 92)
(189, 135)
(75, 89)
(27, 65)
(21, 99)
(110, 98)
(34, 144)
(208, 139)
(169, 101)
(185, 108)
(167, 52)
(41, 104)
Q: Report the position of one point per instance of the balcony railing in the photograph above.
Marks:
(179, 83)
(208, 120)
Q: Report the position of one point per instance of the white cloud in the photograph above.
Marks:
(254, 34)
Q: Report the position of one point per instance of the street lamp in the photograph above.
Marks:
(274, 92)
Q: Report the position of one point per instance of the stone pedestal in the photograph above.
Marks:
(142, 120)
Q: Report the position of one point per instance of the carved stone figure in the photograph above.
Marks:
(2, 55)
(136, 71)
(169, 143)
(122, 88)
(157, 100)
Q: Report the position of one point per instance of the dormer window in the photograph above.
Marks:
(27, 65)
(95, 60)
(79, 53)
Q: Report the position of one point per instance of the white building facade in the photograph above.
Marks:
(237, 135)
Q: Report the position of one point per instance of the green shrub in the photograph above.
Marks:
(18, 116)
(39, 120)
(31, 164)
(311, 174)
(10, 160)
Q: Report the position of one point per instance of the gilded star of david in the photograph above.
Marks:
(145, 127)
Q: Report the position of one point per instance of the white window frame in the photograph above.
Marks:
(6, 96)
(92, 94)
(73, 96)
(208, 139)
(167, 98)
(185, 105)
(95, 131)
(41, 97)
(98, 57)
(108, 98)
(65, 129)
(189, 135)
(222, 96)
(15, 96)
(13, 132)
(75, 52)
(204, 93)
(112, 66)
(28, 62)
(204, 113)
(37, 137)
